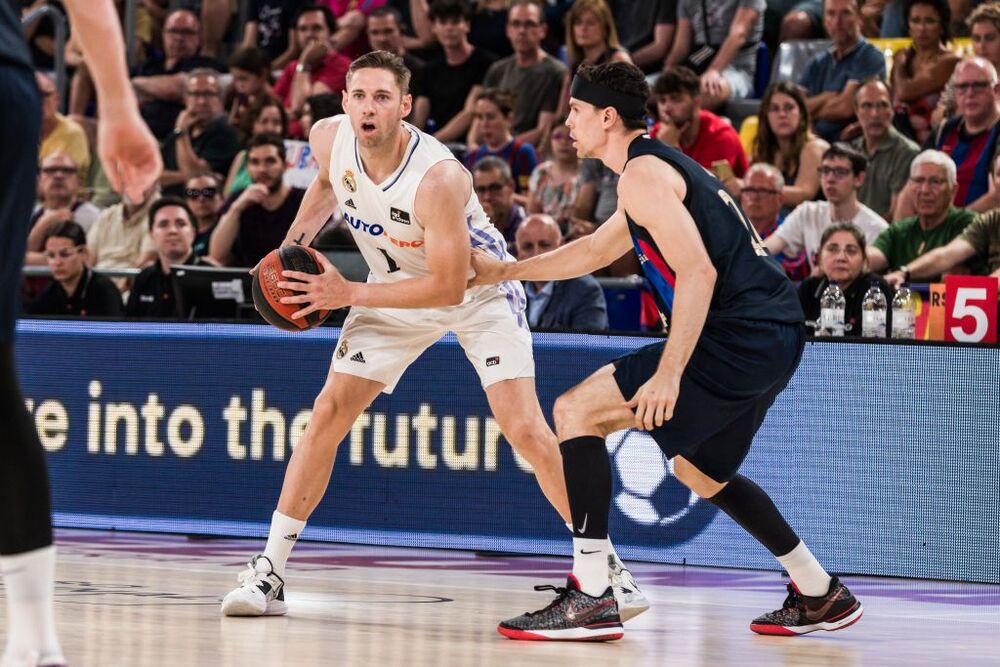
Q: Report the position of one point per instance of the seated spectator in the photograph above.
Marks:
(843, 260)
(202, 140)
(979, 245)
(271, 28)
(984, 25)
(60, 133)
(577, 304)
(971, 138)
(58, 189)
(254, 222)
(265, 116)
(453, 79)
(494, 115)
(720, 46)
(119, 240)
(831, 77)
(172, 229)
(920, 72)
(883, 18)
(785, 20)
(554, 184)
(494, 186)
(251, 72)
(937, 222)
(488, 26)
(646, 30)
(533, 76)
(319, 107)
(784, 139)
(319, 69)
(889, 153)
(385, 33)
(160, 82)
(597, 200)
(75, 289)
(351, 18)
(700, 134)
(203, 195)
(591, 39)
(760, 199)
(842, 171)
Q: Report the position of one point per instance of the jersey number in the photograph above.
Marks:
(393, 267)
(755, 240)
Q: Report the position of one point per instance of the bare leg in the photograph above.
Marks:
(515, 405)
(338, 404)
(214, 19)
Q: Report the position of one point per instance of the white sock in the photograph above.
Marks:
(27, 578)
(284, 532)
(590, 565)
(805, 571)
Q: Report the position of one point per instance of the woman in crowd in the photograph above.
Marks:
(265, 115)
(75, 289)
(785, 139)
(920, 72)
(251, 73)
(554, 184)
(844, 261)
(591, 39)
(494, 117)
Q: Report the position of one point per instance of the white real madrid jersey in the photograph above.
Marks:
(381, 216)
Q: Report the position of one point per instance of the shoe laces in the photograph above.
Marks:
(250, 575)
(794, 599)
(560, 592)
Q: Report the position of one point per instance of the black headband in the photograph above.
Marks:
(627, 106)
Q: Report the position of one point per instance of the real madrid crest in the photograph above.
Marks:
(342, 350)
(348, 181)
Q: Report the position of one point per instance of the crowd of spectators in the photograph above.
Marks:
(867, 164)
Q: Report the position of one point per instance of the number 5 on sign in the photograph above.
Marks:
(971, 309)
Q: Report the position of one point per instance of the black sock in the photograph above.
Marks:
(588, 484)
(25, 520)
(750, 506)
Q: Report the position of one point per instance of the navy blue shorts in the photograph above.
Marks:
(20, 121)
(736, 371)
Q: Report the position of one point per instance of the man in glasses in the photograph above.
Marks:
(159, 82)
(841, 173)
(58, 185)
(494, 186)
(75, 289)
(60, 133)
(933, 179)
(203, 194)
(760, 199)
(889, 153)
(533, 75)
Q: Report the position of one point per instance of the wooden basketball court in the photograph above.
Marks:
(135, 599)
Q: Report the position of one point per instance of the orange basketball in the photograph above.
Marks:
(267, 295)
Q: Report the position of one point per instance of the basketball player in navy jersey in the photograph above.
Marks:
(132, 162)
(735, 339)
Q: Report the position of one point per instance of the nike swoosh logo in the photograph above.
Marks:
(819, 613)
(583, 528)
(595, 551)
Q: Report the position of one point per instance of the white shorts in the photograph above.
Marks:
(380, 343)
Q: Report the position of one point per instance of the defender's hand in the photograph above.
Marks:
(324, 291)
(489, 269)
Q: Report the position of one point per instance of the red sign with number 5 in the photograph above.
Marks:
(971, 309)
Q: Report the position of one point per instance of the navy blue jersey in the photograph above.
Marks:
(13, 49)
(750, 284)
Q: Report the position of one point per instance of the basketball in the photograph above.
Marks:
(267, 295)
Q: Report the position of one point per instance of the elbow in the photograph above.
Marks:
(454, 295)
(707, 274)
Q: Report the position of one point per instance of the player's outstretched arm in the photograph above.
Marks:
(130, 155)
(319, 200)
(672, 228)
(585, 255)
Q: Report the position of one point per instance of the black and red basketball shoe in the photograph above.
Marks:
(572, 616)
(802, 614)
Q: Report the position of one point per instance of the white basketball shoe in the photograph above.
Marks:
(631, 601)
(261, 591)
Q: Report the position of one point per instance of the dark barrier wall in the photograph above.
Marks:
(886, 458)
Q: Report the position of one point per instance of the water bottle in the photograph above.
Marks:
(831, 311)
(903, 316)
(873, 311)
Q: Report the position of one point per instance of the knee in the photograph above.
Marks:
(796, 25)
(567, 415)
(694, 479)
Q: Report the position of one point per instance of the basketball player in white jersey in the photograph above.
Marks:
(415, 218)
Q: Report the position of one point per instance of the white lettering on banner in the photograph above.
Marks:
(94, 419)
(181, 416)
(260, 418)
(300, 164)
(152, 413)
(121, 413)
(234, 414)
(52, 423)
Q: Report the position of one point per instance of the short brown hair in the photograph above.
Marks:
(988, 11)
(387, 61)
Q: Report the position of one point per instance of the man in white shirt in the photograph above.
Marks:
(842, 171)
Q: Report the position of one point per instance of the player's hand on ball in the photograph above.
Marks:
(654, 401)
(324, 291)
(489, 269)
